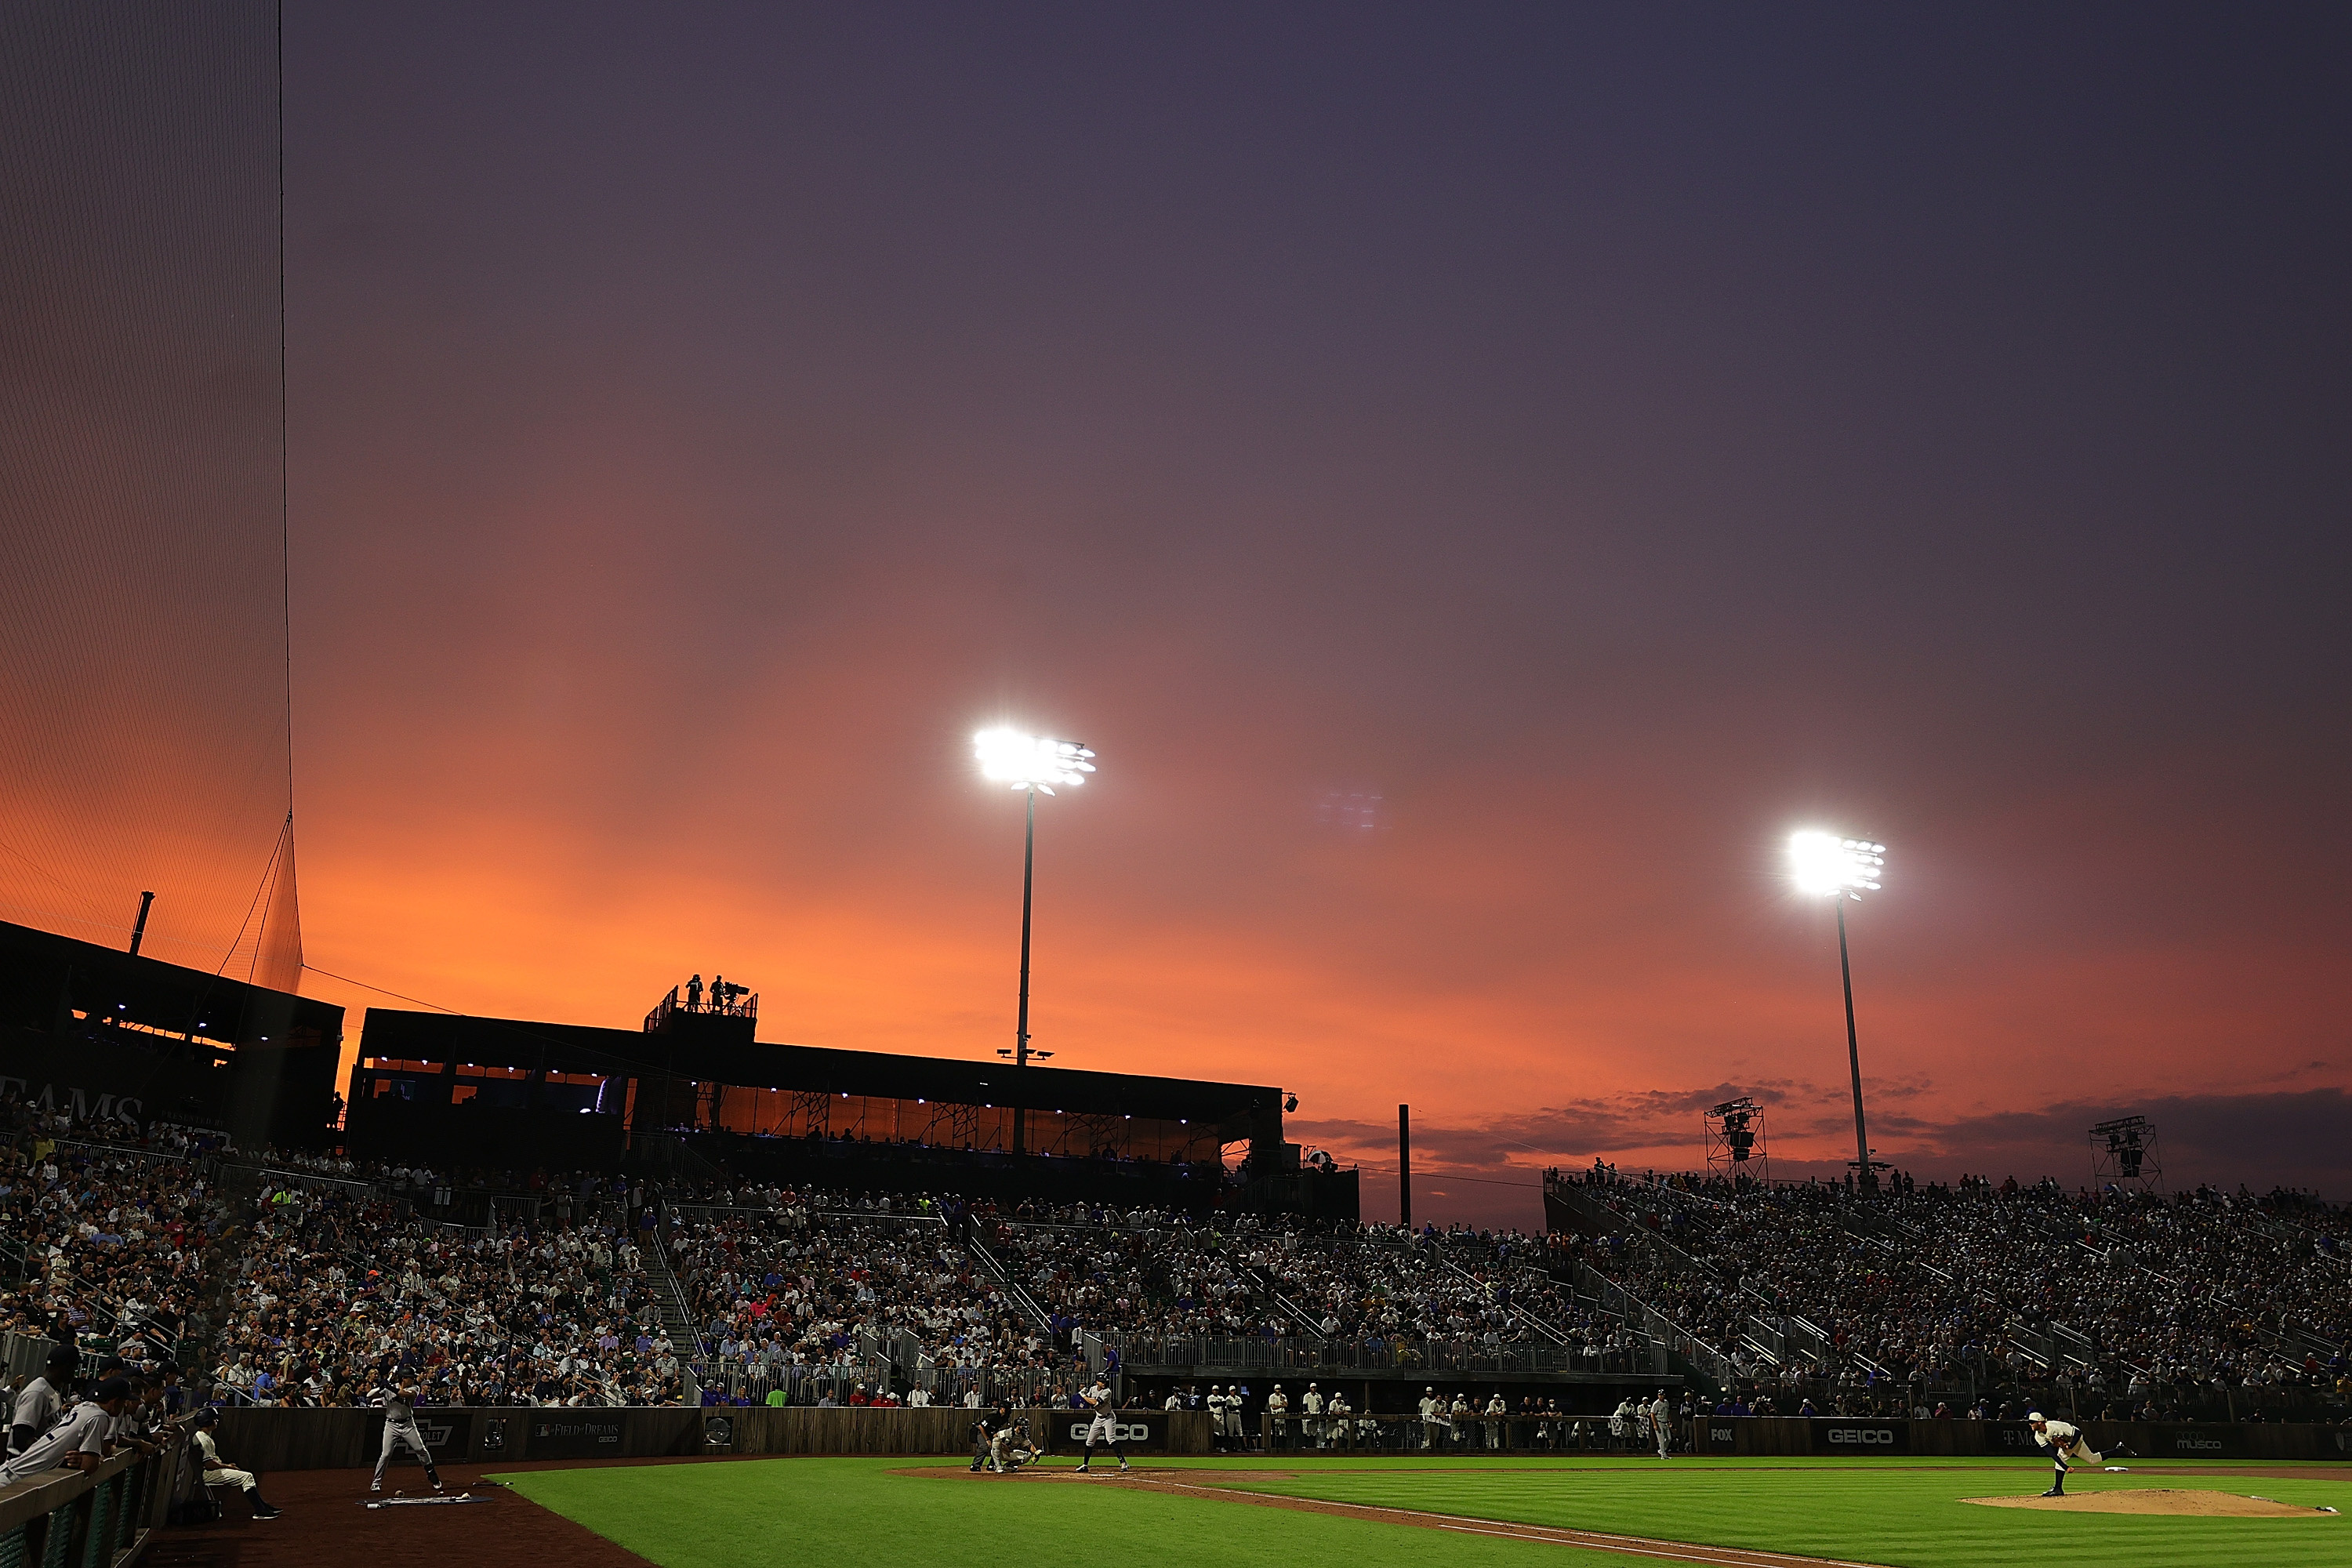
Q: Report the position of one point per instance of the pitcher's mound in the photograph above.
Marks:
(2159, 1500)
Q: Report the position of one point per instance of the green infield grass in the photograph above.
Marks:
(853, 1513)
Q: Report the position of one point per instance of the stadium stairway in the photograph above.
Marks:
(1764, 1331)
(1538, 1326)
(1003, 1278)
(1288, 1308)
(669, 1300)
(1671, 1350)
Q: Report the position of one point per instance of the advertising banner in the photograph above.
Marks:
(448, 1432)
(2211, 1440)
(1838, 1436)
(1141, 1431)
(575, 1434)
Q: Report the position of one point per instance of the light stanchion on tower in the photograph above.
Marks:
(1032, 765)
(1826, 866)
(1737, 1148)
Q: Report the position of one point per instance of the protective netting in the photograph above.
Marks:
(143, 709)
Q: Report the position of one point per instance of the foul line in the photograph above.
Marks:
(1595, 1541)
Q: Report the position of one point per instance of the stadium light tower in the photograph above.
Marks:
(1032, 765)
(1826, 866)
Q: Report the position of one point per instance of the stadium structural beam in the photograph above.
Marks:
(1865, 1180)
(1405, 1168)
(1842, 868)
(1021, 1028)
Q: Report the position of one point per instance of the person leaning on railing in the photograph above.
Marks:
(77, 1441)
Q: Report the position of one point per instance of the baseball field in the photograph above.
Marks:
(1938, 1513)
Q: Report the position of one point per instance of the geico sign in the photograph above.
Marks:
(1120, 1432)
(1866, 1436)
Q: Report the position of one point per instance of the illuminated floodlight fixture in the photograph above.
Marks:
(1030, 761)
(1825, 865)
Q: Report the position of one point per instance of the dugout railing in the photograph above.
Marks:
(100, 1518)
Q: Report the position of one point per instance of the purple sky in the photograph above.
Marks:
(1611, 437)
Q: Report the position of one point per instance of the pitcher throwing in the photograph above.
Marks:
(2066, 1441)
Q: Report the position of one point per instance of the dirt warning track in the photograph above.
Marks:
(1215, 1485)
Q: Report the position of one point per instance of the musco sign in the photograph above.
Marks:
(1861, 1436)
(2216, 1441)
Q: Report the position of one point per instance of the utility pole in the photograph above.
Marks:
(1405, 1167)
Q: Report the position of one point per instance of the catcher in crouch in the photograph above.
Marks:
(2066, 1441)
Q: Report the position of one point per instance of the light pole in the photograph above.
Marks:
(1825, 865)
(1032, 765)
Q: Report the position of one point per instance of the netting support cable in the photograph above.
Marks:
(285, 481)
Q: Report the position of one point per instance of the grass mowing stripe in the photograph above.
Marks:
(854, 1513)
(1904, 1515)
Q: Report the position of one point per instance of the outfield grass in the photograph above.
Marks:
(850, 1513)
(853, 1513)
(1883, 1511)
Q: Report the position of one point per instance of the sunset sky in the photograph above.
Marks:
(1613, 436)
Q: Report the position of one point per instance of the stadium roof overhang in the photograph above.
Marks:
(42, 973)
(740, 1062)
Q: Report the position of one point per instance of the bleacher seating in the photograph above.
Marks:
(308, 1280)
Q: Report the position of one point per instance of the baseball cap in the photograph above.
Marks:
(113, 1388)
(2033, 1416)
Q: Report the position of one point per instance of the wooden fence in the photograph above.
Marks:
(268, 1440)
(2149, 1440)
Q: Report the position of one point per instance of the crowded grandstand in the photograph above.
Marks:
(276, 1279)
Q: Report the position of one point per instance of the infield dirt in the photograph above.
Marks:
(2196, 1504)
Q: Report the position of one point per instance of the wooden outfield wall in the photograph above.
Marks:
(269, 1440)
(2146, 1440)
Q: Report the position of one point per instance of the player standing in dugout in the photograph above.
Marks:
(75, 1440)
(41, 1402)
(2066, 1441)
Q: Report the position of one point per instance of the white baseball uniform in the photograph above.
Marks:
(81, 1430)
(400, 1430)
(208, 1456)
(2066, 1440)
